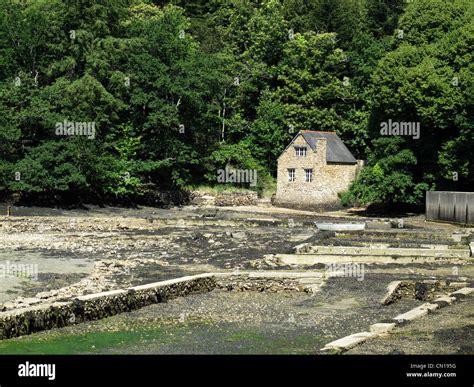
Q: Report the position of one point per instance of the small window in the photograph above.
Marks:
(291, 174)
(308, 175)
(300, 151)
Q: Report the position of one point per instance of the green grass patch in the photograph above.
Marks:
(195, 337)
(48, 343)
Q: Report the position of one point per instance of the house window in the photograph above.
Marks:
(300, 151)
(291, 174)
(308, 175)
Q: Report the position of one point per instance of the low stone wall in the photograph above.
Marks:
(100, 305)
(426, 290)
(226, 199)
(242, 284)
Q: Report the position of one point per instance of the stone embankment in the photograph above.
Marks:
(224, 199)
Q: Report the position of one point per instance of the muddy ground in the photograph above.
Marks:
(107, 248)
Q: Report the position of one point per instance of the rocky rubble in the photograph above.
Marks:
(202, 198)
(103, 278)
(82, 237)
(79, 224)
(242, 284)
(426, 290)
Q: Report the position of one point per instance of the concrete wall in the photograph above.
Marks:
(456, 207)
(328, 179)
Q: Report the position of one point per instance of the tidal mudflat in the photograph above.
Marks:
(82, 252)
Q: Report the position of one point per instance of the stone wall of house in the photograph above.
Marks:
(328, 179)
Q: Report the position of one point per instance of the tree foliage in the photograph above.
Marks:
(179, 89)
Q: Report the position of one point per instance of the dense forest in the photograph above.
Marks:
(168, 92)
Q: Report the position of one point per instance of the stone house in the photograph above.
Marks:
(313, 169)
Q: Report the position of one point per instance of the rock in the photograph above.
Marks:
(239, 235)
(458, 284)
(421, 290)
(382, 327)
(430, 282)
(415, 313)
(302, 248)
(8, 305)
(461, 293)
(31, 301)
(200, 198)
(349, 342)
(457, 237)
(391, 294)
(378, 225)
(444, 301)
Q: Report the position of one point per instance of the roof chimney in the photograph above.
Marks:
(321, 150)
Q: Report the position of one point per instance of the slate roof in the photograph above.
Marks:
(336, 152)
